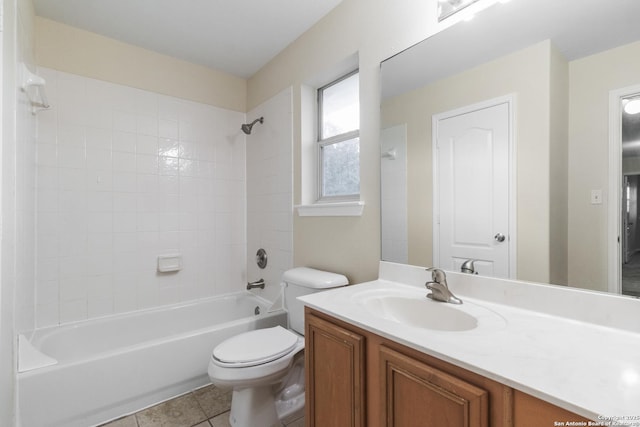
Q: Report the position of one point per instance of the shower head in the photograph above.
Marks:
(246, 128)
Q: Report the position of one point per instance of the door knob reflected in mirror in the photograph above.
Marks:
(499, 237)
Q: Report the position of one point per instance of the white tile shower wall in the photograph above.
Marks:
(270, 191)
(25, 214)
(125, 175)
(25, 173)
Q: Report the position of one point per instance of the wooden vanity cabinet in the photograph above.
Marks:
(356, 378)
(335, 374)
(411, 389)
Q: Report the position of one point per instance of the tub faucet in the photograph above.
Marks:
(256, 284)
(439, 288)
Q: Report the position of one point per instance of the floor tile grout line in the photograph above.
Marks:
(190, 395)
(204, 411)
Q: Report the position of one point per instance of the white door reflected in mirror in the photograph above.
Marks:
(471, 188)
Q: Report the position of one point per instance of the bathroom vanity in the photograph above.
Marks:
(357, 378)
(374, 359)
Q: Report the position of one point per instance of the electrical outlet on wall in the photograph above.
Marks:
(596, 197)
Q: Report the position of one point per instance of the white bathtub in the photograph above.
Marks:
(116, 365)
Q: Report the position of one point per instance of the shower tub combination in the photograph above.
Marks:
(117, 365)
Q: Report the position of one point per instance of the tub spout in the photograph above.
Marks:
(256, 284)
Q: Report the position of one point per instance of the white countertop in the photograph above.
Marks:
(556, 354)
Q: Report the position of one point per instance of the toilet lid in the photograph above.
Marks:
(256, 347)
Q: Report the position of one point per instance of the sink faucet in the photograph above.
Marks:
(256, 284)
(468, 267)
(439, 288)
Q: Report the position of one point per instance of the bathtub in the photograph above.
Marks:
(116, 365)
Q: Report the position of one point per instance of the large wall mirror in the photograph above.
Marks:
(565, 71)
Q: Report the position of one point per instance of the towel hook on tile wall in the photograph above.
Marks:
(261, 258)
(33, 86)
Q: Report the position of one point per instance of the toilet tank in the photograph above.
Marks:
(304, 281)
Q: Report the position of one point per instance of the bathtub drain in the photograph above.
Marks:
(257, 310)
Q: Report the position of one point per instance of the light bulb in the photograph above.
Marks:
(632, 107)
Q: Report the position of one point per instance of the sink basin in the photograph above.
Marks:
(421, 313)
(410, 307)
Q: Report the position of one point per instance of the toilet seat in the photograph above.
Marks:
(255, 347)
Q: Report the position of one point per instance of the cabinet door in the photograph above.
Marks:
(416, 394)
(335, 375)
(532, 412)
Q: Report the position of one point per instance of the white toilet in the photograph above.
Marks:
(265, 367)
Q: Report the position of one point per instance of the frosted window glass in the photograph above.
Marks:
(341, 168)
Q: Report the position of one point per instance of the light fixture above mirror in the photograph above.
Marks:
(632, 106)
(447, 8)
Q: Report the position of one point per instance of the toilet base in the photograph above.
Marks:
(289, 398)
(271, 405)
(254, 407)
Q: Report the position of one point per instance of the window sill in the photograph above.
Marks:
(332, 209)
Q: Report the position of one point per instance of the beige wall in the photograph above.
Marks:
(524, 74)
(374, 30)
(76, 51)
(591, 80)
(558, 161)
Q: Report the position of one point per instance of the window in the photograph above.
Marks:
(339, 139)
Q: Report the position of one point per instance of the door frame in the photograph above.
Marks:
(510, 100)
(614, 198)
(624, 221)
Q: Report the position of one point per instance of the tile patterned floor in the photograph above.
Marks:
(204, 407)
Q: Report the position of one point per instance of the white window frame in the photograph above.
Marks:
(321, 143)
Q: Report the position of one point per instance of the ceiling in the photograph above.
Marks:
(235, 36)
